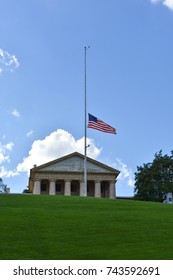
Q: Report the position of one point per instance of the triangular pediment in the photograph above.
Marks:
(75, 163)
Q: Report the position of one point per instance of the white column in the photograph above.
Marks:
(81, 188)
(52, 188)
(97, 189)
(67, 188)
(37, 186)
(112, 189)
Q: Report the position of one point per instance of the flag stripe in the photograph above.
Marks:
(100, 125)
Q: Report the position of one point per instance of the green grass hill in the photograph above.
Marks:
(41, 227)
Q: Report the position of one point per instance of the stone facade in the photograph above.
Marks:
(65, 176)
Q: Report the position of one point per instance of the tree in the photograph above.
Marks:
(154, 180)
(26, 190)
(3, 187)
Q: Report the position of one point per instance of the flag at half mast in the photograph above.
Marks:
(95, 123)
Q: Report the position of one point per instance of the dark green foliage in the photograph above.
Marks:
(61, 228)
(26, 190)
(154, 180)
(3, 187)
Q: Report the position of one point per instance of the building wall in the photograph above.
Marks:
(168, 198)
(95, 188)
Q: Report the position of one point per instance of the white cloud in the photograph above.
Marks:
(167, 3)
(3, 152)
(4, 158)
(7, 61)
(15, 113)
(9, 146)
(29, 133)
(126, 173)
(55, 145)
(8, 173)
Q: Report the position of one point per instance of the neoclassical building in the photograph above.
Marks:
(65, 176)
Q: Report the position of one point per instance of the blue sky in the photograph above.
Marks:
(129, 83)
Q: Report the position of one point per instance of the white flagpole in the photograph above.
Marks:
(85, 122)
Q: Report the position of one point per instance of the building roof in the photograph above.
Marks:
(74, 162)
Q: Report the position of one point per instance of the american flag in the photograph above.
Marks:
(95, 123)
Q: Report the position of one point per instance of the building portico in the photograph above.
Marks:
(65, 176)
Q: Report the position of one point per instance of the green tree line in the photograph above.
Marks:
(154, 180)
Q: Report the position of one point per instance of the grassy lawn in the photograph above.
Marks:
(61, 228)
